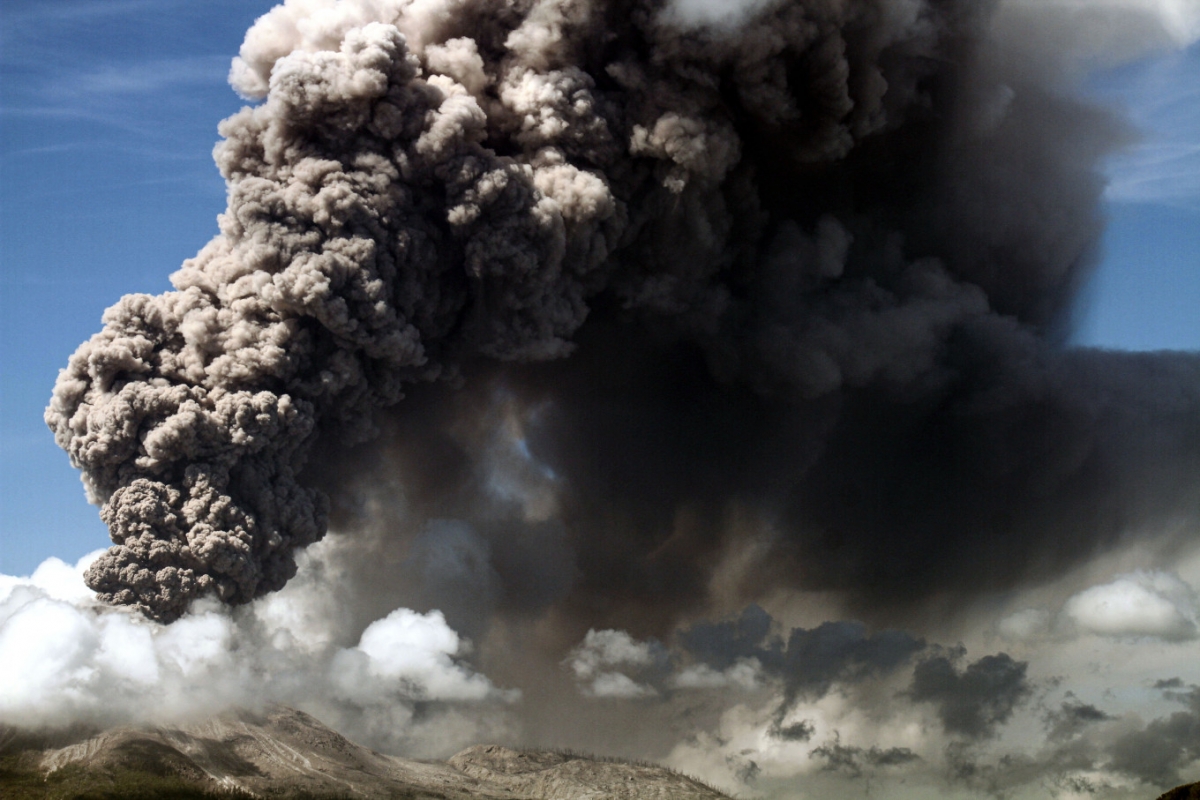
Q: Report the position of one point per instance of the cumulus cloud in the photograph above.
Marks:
(743, 674)
(1156, 604)
(413, 650)
(603, 658)
(67, 658)
(1028, 623)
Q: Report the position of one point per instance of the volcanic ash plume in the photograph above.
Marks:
(807, 262)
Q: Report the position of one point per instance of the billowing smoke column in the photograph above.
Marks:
(804, 262)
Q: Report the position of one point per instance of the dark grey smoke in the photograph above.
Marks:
(974, 701)
(809, 265)
(853, 761)
(809, 662)
(1158, 752)
(806, 663)
(1071, 718)
(1084, 743)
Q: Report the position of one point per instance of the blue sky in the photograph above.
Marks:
(108, 114)
(1146, 292)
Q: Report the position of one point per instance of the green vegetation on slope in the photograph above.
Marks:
(20, 779)
(1189, 792)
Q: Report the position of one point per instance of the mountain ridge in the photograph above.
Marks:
(280, 752)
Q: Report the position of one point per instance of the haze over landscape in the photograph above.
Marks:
(690, 381)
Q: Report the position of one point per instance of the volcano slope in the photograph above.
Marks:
(286, 754)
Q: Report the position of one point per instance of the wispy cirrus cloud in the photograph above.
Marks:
(1162, 98)
(81, 10)
(59, 62)
(115, 95)
(149, 76)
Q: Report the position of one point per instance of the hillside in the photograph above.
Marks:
(286, 754)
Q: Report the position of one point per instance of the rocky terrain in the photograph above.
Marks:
(284, 753)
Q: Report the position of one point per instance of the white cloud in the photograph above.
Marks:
(1106, 31)
(408, 652)
(712, 13)
(54, 578)
(64, 657)
(45, 656)
(1028, 623)
(745, 674)
(1141, 604)
(601, 660)
(617, 684)
(604, 661)
(1181, 18)
(608, 648)
(145, 78)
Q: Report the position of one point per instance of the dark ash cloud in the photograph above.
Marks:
(814, 268)
(855, 761)
(1156, 754)
(809, 661)
(974, 701)
(1071, 718)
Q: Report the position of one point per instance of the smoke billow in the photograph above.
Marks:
(735, 299)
